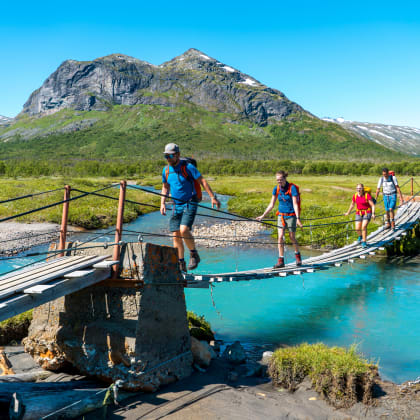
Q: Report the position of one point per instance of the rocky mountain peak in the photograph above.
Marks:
(192, 77)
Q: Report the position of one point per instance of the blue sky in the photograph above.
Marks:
(359, 61)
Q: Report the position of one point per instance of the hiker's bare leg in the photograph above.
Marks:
(178, 244)
(359, 228)
(364, 229)
(292, 236)
(187, 236)
(280, 242)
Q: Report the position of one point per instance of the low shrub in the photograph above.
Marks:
(199, 327)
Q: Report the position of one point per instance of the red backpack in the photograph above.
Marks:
(184, 162)
(289, 191)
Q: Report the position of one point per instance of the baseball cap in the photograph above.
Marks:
(171, 148)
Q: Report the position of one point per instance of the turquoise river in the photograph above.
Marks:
(374, 303)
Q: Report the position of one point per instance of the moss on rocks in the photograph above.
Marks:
(15, 328)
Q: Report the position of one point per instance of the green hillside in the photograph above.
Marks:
(129, 133)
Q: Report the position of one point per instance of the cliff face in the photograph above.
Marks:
(191, 77)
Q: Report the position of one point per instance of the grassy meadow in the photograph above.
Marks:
(321, 196)
(90, 212)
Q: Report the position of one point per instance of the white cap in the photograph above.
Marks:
(171, 148)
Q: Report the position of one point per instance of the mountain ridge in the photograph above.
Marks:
(193, 77)
(394, 137)
(118, 106)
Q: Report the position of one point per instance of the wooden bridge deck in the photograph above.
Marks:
(406, 217)
(27, 288)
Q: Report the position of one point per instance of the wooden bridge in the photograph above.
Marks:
(406, 217)
(27, 288)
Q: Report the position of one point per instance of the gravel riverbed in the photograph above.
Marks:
(228, 234)
(17, 237)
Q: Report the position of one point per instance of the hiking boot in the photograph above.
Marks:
(194, 260)
(387, 224)
(359, 240)
(364, 245)
(298, 258)
(183, 266)
(280, 263)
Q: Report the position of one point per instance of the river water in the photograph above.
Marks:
(373, 303)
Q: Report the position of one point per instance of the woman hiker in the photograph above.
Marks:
(288, 214)
(365, 210)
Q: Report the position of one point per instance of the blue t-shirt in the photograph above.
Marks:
(181, 187)
(285, 200)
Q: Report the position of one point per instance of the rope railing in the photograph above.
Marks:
(52, 204)
(228, 240)
(30, 195)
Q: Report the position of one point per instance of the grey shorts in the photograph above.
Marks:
(366, 216)
(183, 215)
(290, 223)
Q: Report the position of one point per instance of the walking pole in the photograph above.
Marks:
(64, 219)
(118, 230)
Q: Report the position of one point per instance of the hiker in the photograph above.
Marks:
(288, 214)
(365, 210)
(390, 187)
(183, 181)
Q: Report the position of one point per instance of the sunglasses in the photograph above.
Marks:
(359, 189)
(171, 156)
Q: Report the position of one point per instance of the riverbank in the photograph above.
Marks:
(223, 392)
(17, 237)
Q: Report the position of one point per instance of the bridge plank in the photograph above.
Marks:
(45, 266)
(39, 272)
(23, 302)
(59, 272)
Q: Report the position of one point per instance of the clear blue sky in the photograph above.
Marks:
(359, 59)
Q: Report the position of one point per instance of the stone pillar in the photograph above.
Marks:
(139, 335)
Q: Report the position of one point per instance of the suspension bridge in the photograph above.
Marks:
(58, 273)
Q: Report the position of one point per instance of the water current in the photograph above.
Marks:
(374, 303)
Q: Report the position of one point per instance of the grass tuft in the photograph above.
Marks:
(340, 375)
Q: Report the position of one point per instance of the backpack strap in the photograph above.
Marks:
(277, 190)
(166, 173)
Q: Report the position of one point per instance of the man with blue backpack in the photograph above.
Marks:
(288, 214)
(390, 187)
(183, 181)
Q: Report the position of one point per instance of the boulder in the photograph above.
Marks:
(235, 353)
(202, 352)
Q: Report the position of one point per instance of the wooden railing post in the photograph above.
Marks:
(119, 227)
(64, 219)
(412, 186)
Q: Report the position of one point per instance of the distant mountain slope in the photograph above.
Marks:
(121, 107)
(401, 139)
(5, 120)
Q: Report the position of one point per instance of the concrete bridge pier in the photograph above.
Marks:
(137, 333)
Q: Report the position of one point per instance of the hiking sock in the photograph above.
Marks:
(298, 258)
